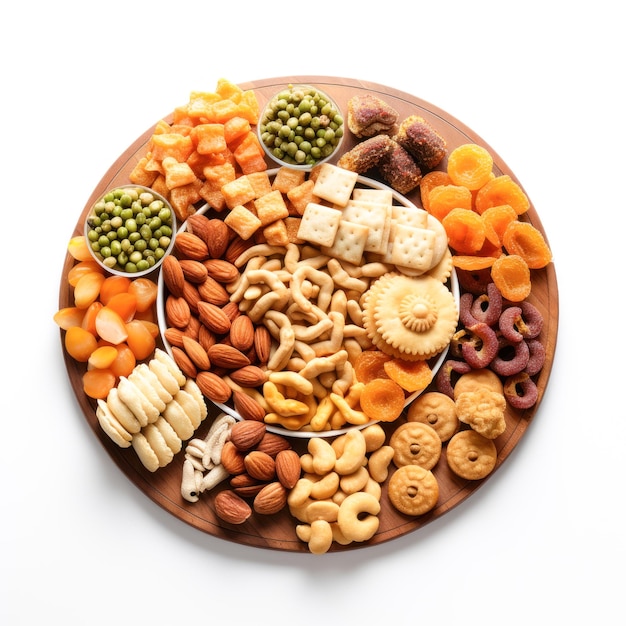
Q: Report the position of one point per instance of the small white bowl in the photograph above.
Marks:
(127, 242)
(285, 157)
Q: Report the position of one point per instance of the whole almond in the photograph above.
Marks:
(212, 291)
(173, 275)
(196, 353)
(177, 311)
(184, 362)
(214, 387)
(191, 294)
(193, 328)
(231, 310)
(242, 333)
(206, 337)
(249, 491)
(235, 249)
(190, 246)
(243, 480)
(272, 444)
(232, 459)
(288, 468)
(221, 270)
(260, 465)
(247, 434)
(249, 376)
(231, 508)
(213, 318)
(248, 407)
(262, 344)
(193, 271)
(271, 499)
(228, 357)
(198, 224)
(174, 336)
(217, 238)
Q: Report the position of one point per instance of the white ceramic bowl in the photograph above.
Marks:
(285, 157)
(126, 240)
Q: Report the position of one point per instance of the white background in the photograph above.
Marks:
(542, 540)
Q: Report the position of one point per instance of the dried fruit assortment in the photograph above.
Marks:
(308, 303)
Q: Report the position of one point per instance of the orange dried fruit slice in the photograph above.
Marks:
(472, 262)
(113, 285)
(69, 316)
(470, 165)
(501, 190)
(97, 383)
(444, 198)
(496, 219)
(79, 248)
(110, 326)
(511, 275)
(145, 291)
(525, 240)
(124, 304)
(465, 229)
(370, 364)
(102, 357)
(80, 343)
(80, 269)
(382, 399)
(430, 180)
(124, 362)
(140, 339)
(410, 375)
(87, 289)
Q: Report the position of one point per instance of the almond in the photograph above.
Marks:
(193, 271)
(217, 238)
(262, 343)
(242, 333)
(213, 318)
(248, 407)
(191, 294)
(173, 275)
(174, 336)
(288, 468)
(196, 353)
(214, 387)
(245, 435)
(260, 465)
(235, 249)
(228, 357)
(243, 480)
(231, 508)
(212, 291)
(184, 362)
(249, 491)
(272, 444)
(191, 246)
(206, 337)
(271, 499)
(198, 224)
(232, 459)
(177, 311)
(231, 310)
(249, 376)
(221, 270)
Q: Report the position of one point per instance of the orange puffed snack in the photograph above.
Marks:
(501, 190)
(470, 165)
(443, 198)
(382, 399)
(465, 229)
(511, 275)
(410, 375)
(370, 364)
(523, 239)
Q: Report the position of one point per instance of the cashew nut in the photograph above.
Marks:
(378, 463)
(324, 457)
(353, 454)
(357, 516)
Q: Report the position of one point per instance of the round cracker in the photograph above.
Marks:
(166, 378)
(168, 361)
(438, 410)
(144, 451)
(178, 420)
(111, 426)
(169, 434)
(191, 386)
(158, 444)
(122, 413)
(190, 406)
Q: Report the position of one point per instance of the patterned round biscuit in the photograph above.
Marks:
(438, 411)
(415, 443)
(478, 378)
(470, 455)
(413, 490)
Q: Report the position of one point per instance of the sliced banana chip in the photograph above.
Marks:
(190, 406)
(178, 420)
(121, 411)
(158, 444)
(174, 442)
(111, 426)
(144, 451)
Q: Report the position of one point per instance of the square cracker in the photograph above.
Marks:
(410, 216)
(373, 195)
(376, 216)
(319, 224)
(334, 184)
(411, 247)
(349, 242)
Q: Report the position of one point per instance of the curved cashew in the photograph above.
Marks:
(374, 437)
(324, 457)
(351, 520)
(353, 454)
(321, 509)
(321, 537)
(300, 493)
(378, 463)
(325, 487)
(351, 483)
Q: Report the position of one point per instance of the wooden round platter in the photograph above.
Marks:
(278, 531)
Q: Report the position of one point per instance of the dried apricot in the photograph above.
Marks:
(124, 304)
(124, 362)
(382, 399)
(430, 180)
(87, 289)
(97, 383)
(471, 262)
(69, 316)
(110, 326)
(80, 269)
(140, 339)
(145, 291)
(511, 275)
(470, 165)
(369, 365)
(465, 229)
(89, 319)
(102, 357)
(80, 343)
(410, 375)
(501, 190)
(444, 198)
(524, 239)
(113, 285)
(496, 219)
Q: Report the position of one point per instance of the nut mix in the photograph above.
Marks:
(311, 303)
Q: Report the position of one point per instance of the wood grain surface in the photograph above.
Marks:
(278, 531)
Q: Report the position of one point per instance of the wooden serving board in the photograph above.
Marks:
(278, 531)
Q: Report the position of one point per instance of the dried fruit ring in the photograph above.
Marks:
(511, 358)
(474, 281)
(523, 321)
(520, 391)
(536, 358)
(487, 307)
(448, 374)
(480, 351)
